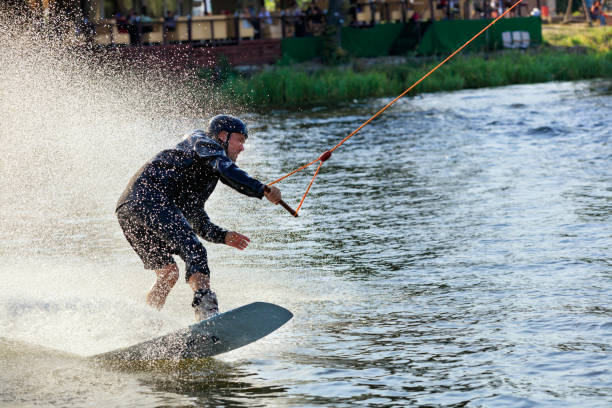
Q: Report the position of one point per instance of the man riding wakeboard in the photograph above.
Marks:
(162, 208)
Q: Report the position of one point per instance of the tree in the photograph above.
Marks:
(334, 17)
(568, 12)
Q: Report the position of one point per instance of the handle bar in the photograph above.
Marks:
(283, 204)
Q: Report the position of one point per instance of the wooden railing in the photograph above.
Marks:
(207, 29)
(220, 29)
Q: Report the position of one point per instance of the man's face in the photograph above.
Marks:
(236, 145)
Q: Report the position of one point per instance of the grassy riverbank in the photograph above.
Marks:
(569, 53)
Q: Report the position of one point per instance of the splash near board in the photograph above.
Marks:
(219, 334)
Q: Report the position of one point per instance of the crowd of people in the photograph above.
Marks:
(310, 20)
(299, 22)
(597, 12)
(136, 24)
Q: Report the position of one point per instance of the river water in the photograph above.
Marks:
(455, 252)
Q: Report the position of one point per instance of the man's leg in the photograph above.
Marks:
(166, 232)
(205, 302)
(199, 281)
(139, 223)
(166, 279)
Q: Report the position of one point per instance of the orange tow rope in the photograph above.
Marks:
(326, 155)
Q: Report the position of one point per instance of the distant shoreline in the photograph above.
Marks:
(569, 52)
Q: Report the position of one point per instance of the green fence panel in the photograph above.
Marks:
(444, 37)
(371, 42)
(300, 49)
(359, 42)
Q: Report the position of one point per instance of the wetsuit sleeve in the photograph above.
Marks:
(230, 174)
(236, 178)
(206, 229)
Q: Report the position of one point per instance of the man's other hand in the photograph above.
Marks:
(236, 240)
(273, 194)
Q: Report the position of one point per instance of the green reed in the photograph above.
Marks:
(292, 86)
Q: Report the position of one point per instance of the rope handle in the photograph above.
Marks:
(283, 204)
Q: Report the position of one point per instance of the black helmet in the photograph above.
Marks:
(228, 123)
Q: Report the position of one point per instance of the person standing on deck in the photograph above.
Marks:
(162, 208)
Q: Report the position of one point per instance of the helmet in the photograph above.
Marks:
(228, 123)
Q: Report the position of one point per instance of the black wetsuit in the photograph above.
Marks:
(162, 208)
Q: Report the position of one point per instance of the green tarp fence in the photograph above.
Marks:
(368, 42)
(444, 37)
(441, 37)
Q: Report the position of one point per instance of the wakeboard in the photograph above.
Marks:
(219, 334)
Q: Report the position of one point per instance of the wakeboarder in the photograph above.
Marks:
(161, 211)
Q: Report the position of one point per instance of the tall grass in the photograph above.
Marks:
(293, 86)
(589, 56)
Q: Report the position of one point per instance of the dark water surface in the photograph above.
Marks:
(455, 252)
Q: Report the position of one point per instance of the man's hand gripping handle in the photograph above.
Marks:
(273, 194)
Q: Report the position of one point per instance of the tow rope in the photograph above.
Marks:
(327, 154)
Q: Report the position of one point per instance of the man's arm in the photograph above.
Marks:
(232, 175)
(203, 226)
(236, 178)
(213, 233)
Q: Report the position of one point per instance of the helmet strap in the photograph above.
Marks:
(225, 143)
